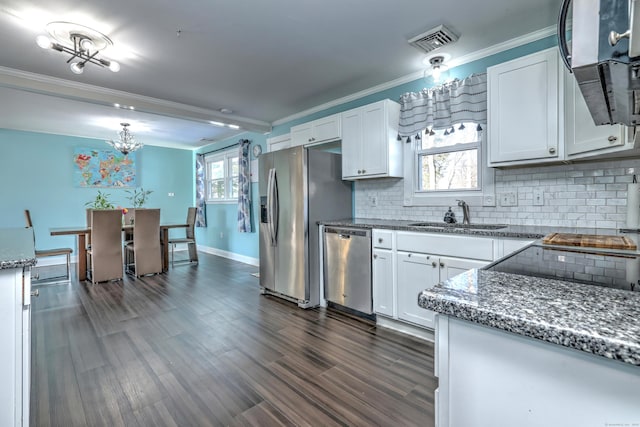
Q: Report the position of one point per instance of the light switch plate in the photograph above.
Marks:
(538, 197)
(508, 199)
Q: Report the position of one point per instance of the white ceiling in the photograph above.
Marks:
(264, 60)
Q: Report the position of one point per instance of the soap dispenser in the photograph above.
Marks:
(450, 217)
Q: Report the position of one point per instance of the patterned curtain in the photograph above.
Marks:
(244, 187)
(201, 217)
(444, 106)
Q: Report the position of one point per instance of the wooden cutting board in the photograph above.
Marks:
(590, 241)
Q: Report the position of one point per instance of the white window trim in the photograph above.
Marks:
(484, 196)
(214, 157)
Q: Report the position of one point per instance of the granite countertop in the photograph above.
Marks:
(597, 320)
(512, 231)
(16, 248)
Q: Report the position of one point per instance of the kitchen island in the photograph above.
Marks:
(17, 256)
(514, 349)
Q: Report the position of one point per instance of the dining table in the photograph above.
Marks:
(83, 232)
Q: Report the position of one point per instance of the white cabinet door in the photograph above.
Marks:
(523, 104)
(383, 293)
(300, 134)
(581, 133)
(450, 267)
(279, 142)
(375, 151)
(351, 143)
(322, 130)
(370, 148)
(326, 129)
(416, 272)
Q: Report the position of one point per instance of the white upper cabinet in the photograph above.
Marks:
(325, 129)
(370, 148)
(279, 142)
(537, 114)
(523, 107)
(582, 136)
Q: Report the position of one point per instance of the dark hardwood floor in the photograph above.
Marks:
(199, 346)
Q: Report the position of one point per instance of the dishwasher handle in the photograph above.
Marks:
(346, 233)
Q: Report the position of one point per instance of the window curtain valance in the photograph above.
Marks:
(444, 106)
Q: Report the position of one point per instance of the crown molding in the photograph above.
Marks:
(46, 85)
(483, 53)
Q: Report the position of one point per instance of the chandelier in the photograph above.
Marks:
(126, 142)
(82, 43)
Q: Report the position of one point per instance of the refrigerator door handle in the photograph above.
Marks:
(276, 208)
(270, 206)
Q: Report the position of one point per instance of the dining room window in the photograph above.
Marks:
(222, 176)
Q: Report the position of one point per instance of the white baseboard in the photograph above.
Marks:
(230, 255)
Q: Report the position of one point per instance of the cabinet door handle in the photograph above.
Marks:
(359, 171)
(375, 256)
(434, 264)
(363, 171)
(552, 150)
(612, 138)
(442, 264)
(35, 293)
(409, 255)
(380, 240)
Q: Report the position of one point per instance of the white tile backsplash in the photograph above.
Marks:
(590, 194)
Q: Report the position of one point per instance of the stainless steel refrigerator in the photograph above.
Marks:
(298, 187)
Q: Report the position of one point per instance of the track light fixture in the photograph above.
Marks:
(82, 43)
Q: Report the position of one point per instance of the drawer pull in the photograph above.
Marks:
(612, 138)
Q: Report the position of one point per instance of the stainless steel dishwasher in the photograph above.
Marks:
(347, 268)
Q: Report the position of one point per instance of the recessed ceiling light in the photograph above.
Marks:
(132, 108)
(116, 105)
(226, 111)
(234, 126)
(217, 123)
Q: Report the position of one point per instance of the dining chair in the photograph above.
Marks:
(42, 253)
(189, 239)
(144, 254)
(104, 257)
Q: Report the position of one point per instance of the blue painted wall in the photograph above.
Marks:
(36, 173)
(222, 217)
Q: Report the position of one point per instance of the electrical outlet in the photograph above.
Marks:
(538, 197)
(488, 200)
(508, 199)
(373, 201)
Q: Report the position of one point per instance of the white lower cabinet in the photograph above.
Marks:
(406, 263)
(417, 272)
(383, 292)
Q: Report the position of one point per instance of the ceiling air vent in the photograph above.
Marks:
(433, 39)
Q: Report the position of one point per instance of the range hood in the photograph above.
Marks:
(604, 56)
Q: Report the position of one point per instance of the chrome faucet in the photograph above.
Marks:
(466, 219)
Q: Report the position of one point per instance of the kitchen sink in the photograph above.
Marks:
(468, 226)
